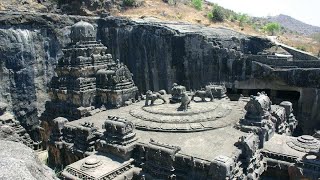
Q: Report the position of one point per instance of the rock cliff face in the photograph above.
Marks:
(28, 56)
(160, 54)
(30, 46)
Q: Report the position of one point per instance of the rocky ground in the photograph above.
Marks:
(19, 162)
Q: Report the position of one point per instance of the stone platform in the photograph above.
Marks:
(206, 125)
(200, 116)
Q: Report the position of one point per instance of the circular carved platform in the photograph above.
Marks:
(199, 117)
(91, 163)
(304, 143)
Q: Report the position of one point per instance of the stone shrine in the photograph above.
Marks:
(118, 138)
(88, 80)
(88, 77)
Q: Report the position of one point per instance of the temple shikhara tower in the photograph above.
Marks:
(88, 77)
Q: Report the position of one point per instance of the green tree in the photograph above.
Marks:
(302, 48)
(218, 14)
(128, 2)
(272, 28)
(243, 18)
(197, 4)
(210, 15)
(233, 18)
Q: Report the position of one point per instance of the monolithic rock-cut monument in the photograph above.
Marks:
(200, 134)
(88, 77)
(164, 100)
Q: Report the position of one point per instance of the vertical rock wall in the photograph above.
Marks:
(161, 54)
(30, 46)
(27, 65)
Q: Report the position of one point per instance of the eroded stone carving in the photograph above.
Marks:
(282, 114)
(177, 92)
(119, 131)
(115, 85)
(152, 97)
(203, 94)
(290, 118)
(118, 138)
(88, 77)
(258, 118)
(11, 129)
(185, 102)
(160, 159)
(218, 91)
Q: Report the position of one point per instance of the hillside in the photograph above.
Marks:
(294, 24)
(187, 13)
(175, 10)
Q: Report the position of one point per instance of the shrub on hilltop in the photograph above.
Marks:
(217, 14)
(197, 4)
(272, 28)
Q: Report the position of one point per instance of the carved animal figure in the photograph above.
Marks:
(185, 101)
(150, 96)
(163, 92)
(203, 94)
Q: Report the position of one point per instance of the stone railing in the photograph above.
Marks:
(278, 156)
(79, 174)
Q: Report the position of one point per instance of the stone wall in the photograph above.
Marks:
(27, 65)
(276, 61)
(159, 54)
(297, 54)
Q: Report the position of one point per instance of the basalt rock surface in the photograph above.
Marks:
(161, 53)
(18, 162)
(30, 46)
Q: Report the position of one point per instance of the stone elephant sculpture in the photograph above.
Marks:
(150, 96)
(203, 94)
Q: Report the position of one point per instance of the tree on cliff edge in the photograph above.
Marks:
(272, 28)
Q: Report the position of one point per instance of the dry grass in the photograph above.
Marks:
(308, 43)
(186, 13)
(19, 5)
(164, 11)
(181, 12)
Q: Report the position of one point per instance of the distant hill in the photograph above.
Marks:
(294, 24)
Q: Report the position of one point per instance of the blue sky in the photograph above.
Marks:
(307, 11)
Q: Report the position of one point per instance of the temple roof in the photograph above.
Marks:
(82, 31)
